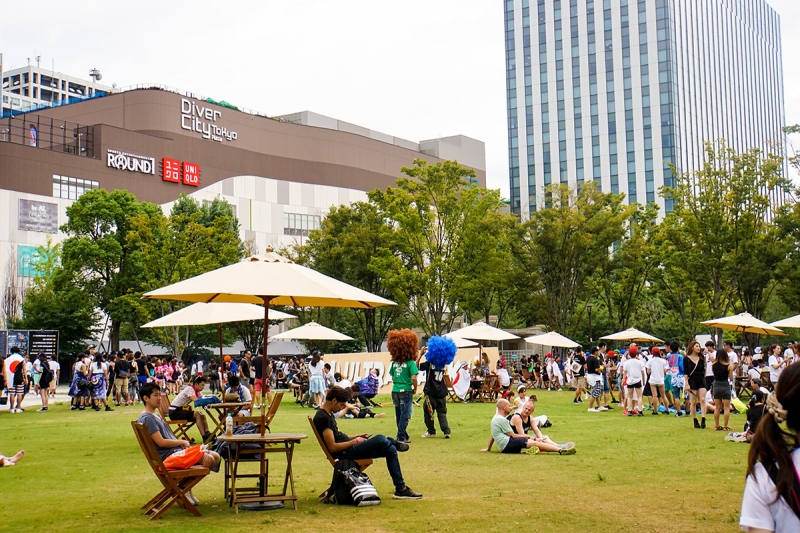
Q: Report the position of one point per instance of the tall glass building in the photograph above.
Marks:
(615, 90)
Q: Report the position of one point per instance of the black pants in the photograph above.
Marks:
(439, 405)
(366, 400)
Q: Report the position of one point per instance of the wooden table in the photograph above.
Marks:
(217, 412)
(266, 444)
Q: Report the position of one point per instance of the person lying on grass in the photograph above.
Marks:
(11, 461)
(514, 440)
(166, 442)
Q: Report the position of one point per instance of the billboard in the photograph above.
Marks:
(38, 216)
(27, 257)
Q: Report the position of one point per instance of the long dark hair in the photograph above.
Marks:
(773, 445)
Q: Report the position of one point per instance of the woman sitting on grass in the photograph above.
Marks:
(771, 500)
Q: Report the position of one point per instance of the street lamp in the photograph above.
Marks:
(589, 307)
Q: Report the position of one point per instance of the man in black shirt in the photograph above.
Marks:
(435, 399)
(579, 371)
(121, 369)
(594, 379)
(363, 446)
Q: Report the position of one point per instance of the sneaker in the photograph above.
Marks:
(81, 408)
(602, 408)
(192, 498)
(447, 435)
(680, 413)
(625, 412)
(349, 415)
(406, 494)
(593, 410)
(654, 413)
(576, 401)
(73, 407)
(427, 435)
(567, 445)
(41, 410)
(641, 413)
(20, 410)
(609, 408)
(12, 410)
(567, 449)
(108, 408)
(401, 446)
(630, 413)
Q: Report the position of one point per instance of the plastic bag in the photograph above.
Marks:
(185, 458)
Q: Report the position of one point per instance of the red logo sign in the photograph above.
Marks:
(171, 170)
(191, 174)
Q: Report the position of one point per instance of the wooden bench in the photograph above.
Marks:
(176, 483)
(179, 427)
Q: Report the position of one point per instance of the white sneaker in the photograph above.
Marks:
(593, 410)
(427, 435)
(192, 498)
(602, 408)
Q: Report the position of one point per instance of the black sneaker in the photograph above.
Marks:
(108, 408)
(609, 408)
(406, 494)
(447, 436)
(576, 401)
(401, 446)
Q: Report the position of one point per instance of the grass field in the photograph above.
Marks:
(84, 471)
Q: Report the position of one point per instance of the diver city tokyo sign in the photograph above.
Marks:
(202, 119)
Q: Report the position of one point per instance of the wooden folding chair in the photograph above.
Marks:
(176, 483)
(451, 392)
(256, 419)
(362, 463)
(179, 427)
(489, 391)
(526, 375)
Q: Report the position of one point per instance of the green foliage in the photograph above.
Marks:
(347, 240)
(437, 216)
(563, 244)
(53, 301)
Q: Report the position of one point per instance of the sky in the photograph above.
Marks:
(415, 69)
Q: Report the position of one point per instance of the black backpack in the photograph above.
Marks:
(350, 486)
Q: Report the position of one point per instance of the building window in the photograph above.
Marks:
(297, 224)
(71, 188)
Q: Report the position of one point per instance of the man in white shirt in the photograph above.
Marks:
(710, 354)
(633, 374)
(55, 366)
(734, 358)
(657, 368)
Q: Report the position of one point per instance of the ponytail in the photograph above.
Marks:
(772, 446)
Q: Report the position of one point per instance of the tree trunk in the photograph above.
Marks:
(115, 327)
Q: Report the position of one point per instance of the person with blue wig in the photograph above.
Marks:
(440, 352)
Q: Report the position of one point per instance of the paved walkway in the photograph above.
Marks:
(31, 400)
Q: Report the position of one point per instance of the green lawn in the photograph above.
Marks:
(84, 471)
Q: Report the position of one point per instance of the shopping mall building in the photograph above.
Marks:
(281, 174)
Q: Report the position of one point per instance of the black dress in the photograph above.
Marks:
(695, 373)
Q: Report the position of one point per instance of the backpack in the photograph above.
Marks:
(350, 486)
(46, 377)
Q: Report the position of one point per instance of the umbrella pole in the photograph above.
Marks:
(266, 300)
(221, 359)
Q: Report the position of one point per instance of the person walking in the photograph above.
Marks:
(694, 369)
(402, 345)
(770, 500)
(723, 373)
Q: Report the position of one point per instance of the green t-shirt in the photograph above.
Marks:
(500, 428)
(401, 376)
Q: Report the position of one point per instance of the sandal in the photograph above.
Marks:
(719, 428)
(726, 428)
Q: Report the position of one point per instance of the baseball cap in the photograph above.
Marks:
(633, 350)
(656, 350)
(227, 358)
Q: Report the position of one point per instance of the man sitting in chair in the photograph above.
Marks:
(362, 446)
(165, 441)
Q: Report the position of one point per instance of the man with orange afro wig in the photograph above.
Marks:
(403, 345)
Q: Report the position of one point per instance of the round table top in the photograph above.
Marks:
(227, 405)
(269, 437)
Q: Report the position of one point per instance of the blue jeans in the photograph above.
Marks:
(378, 446)
(402, 413)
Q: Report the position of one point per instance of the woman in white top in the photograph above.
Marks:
(771, 500)
(316, 381)
(98, 371)
(776, 363)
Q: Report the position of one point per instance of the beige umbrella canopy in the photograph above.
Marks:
(270, 279)
(461, 343)
(791, 322)
(631, 334)
(201, 314)
(481, 331)
(312, 331)
(553, 339)
(744, 323)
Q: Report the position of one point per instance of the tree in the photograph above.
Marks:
(562, 244)
(192, 240)
(53, 301)
(104, 263)
(624, 272)
(437, 215)
(720, 220)
(347, 240)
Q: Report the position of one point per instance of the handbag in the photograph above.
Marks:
(186, 458)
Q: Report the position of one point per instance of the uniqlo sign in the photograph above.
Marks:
(171, 170)
(191, 174)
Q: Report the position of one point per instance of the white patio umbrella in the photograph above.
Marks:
(631, 334)
(481, 331)
(202, 314)
(744, 323)
(791, 322)
(461, 343)
(270, 279)
(553, 339)
(312, 331)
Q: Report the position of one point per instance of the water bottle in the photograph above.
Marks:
(229, 425)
